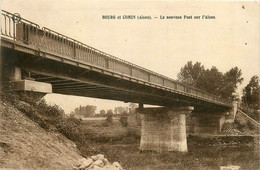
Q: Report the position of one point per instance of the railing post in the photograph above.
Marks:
(131, 70)
(74, 50)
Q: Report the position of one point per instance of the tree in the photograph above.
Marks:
(251, 93)
(211, 80)
(132, 107)
(123, 120)
(109, 112)
(190, 73)
(102, 113)
(231, 80)
(85, 111)
(120, 109)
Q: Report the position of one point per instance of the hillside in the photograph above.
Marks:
(24, 144)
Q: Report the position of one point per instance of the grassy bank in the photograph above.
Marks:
(197, 158)
(52, 119)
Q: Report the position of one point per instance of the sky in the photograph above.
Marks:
(161, 45)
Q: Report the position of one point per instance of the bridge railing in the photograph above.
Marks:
(45, 39)
(8, 24)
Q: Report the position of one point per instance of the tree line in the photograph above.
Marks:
(91, 111)
(223, 85)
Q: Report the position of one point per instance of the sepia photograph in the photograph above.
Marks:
(130, 85)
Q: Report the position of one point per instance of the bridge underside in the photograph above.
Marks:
(68, 78)
(38, 61)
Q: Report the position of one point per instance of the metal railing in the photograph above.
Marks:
(9, 21)
(22, 30)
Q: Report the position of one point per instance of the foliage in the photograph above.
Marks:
(7, 95)
(132, 107)
(251, 112)
(190, 73)
(123, 121)
(52, 118)
(109, 118)
(53, 110)
(250, 125)
(109, 112)
(102, 113)
(85, 111)
(251, 93)
(120, 110)
(211, 80)
(231, 80)
(124, 113)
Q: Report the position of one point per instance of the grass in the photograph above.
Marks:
(197, 158)
(124, 148)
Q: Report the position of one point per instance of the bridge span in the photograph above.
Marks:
(74, 68)
(45, 61)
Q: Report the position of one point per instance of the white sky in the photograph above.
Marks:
(163, 46)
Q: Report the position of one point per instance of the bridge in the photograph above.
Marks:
(41, 60)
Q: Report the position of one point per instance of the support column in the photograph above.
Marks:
(164, 128)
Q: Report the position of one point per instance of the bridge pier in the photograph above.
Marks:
(164, 128)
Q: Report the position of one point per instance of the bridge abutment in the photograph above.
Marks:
(30, 88)
(208, 123)
(164, 128)
(24, 87)
(212, 122)
(231, 114)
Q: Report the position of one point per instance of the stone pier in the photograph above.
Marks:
(164, 128)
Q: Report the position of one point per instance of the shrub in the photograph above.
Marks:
(123, 121)
(250, 125)
(239, 125)
(47, 110)
(53, 117)
(109, 119)
(7, 94)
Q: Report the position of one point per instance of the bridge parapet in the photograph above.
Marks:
(46, 40)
